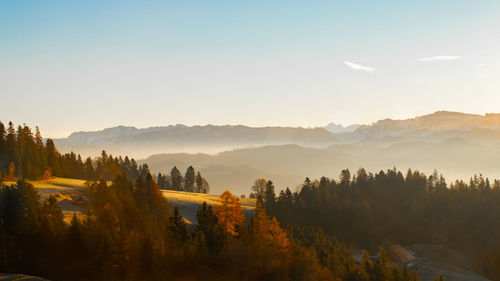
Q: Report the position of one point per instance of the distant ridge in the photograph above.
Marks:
(336, 128)
(439, 120)
(141, 143)
(181, 138)
(232, 156)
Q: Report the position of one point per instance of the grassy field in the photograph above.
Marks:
(188, 203)
(54, 186)
(69, 191)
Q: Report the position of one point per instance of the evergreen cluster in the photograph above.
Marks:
(368, 210)
(24, 155)
(192, 181)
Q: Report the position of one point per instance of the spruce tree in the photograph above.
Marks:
(269, 196)
(177, 225)
(199, 183)
(176, 179)
(189, 179)
(3, 152)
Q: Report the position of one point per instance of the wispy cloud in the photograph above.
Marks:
(440, 58)
(356, 66)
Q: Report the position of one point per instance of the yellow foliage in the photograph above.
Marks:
(47, 174)
(11, 176)
(268, 233)
(229, 213)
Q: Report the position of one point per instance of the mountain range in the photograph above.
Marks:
(231, 157)
(181, 138)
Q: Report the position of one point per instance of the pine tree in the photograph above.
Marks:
(176, 179)
(177, 225)
(345, 177)
(189, 179)
(161, 180)
(381, 267)
(267, 233)
(207, 224)
(11, 145)
(199, 183)
(269, 196)
(52, 216)
(53, 157)
(3, 152)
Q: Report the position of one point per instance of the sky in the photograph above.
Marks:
(87, 65)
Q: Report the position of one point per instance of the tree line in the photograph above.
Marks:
(130, 232)
(366, 210)
(25, 155)
(192, 181)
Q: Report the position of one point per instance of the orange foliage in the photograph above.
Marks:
(11, 176)
(229, 213)
(47, 174)
(268, 233)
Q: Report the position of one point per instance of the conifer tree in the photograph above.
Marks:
(11, 145)
(53, 157)
(177, 225)
(176, 179)
(269, 196)
(199, 183)
(3, 152)
(189, 179)
(207, 224)
(268, 234)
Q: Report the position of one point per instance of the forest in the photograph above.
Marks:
(131, 232)
(367, 210)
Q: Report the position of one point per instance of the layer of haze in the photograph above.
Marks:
(68, 66)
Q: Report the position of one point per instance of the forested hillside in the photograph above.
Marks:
(131, 233)
(367, 210)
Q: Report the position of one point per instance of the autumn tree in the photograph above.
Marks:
(11, 175)
(258, 188)
(229, 213)
(268, 233)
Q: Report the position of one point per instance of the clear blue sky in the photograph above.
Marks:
(85, 65)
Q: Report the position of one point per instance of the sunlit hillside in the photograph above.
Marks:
(70, 194)
(188, 202)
